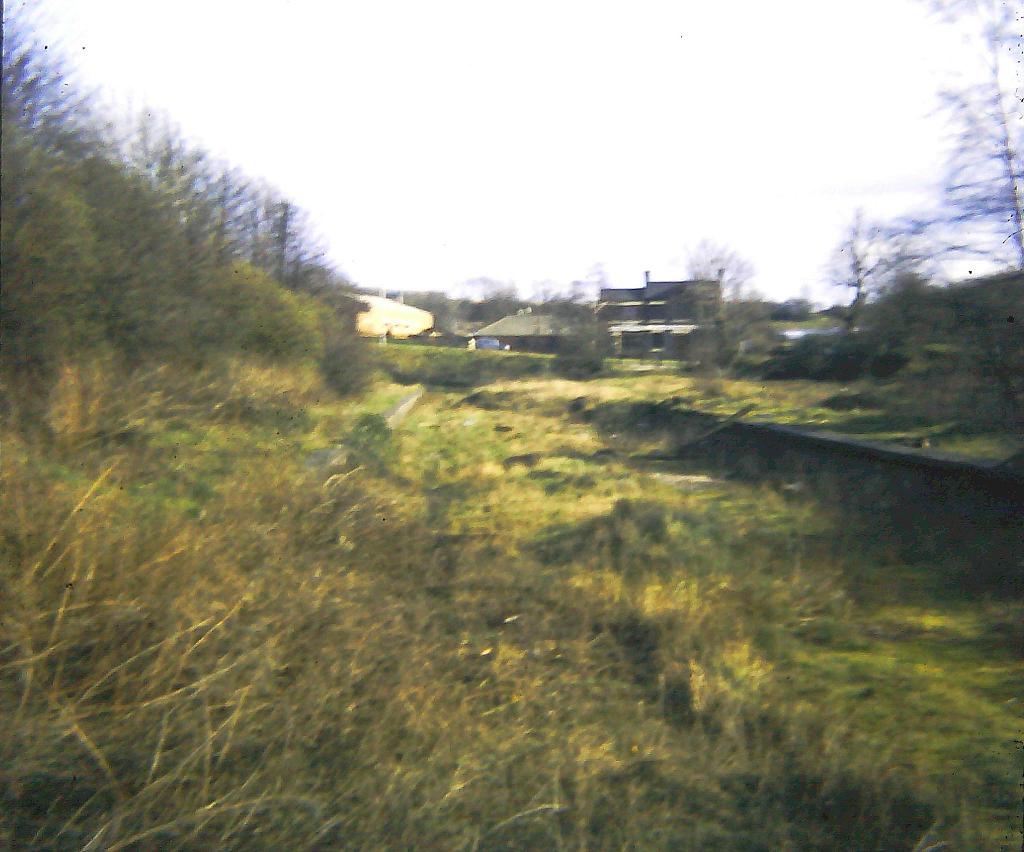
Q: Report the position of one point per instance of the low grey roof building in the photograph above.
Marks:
(527, 332)
(524, 325)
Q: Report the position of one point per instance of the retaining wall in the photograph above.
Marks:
(928, 505)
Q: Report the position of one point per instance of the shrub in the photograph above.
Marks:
(48, 254)
(582, 353)
(457, 368)
(839, 359)
(345, 363)
(248, 312)
(370, 443)
(346, 360)
(851, 401)
(578, 365)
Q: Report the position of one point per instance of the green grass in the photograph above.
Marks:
(883, 416)
(931, 699)
(512, 632)
(412, 363)
(795, 403)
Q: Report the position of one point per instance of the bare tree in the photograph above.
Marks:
(736, 318)
(982, 208)
(489, 299)
(483, 289)
(38, 91)
(712, 261)
(587, 290)
(870, 257)
(858, 263)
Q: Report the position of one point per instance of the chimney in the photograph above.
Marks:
(647, 278)
(721, 274)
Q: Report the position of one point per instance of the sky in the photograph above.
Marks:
(432, 143)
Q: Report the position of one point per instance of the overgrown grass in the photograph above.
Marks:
(443, 367)
(506, 633)
(869, 412)
(640, 539)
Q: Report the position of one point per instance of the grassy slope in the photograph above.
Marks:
(219, 648)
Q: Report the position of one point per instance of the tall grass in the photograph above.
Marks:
(457, 368)
(209, 644)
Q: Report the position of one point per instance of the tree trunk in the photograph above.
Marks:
(1011, 163)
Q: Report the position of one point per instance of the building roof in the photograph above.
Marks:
(652, 290)
(524, 325)
(623, 295)
(386, 316)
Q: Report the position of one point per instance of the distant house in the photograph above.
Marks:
(658, 317)
(388, 318)
(526, 332)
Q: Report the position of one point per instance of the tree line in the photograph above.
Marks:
(950, 345)
(125, 238)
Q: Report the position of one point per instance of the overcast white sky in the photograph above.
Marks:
(437, 142)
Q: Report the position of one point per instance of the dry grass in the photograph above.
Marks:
(209, 644)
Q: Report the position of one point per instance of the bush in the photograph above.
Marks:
(457, 368)
(582, 354)
(370, 443)
(346, 362)
(792, 310)
(851, 401)
(250, 313)
(965, 348)
(838, 359)
(578, 365)
(48, 254)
